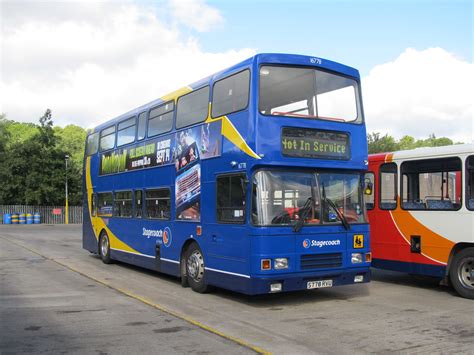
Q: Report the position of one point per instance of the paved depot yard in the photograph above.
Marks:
(56, 297)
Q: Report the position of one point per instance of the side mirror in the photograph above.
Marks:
(368, 189)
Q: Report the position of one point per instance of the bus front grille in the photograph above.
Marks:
(321, 261)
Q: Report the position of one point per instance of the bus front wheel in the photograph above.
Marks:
(195, 269)
(461, 273)
(104, 248)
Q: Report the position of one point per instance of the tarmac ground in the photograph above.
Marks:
(56, 297)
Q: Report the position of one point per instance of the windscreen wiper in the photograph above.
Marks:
(340, 215)
(306, 210)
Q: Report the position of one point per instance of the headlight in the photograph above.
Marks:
(356, 258)
(280, 263)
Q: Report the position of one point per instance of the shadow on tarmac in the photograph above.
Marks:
(411, 280)
(274, 301)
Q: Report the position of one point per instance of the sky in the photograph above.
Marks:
(89, 61)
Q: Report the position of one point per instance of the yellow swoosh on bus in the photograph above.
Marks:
(228, 129)
(98, 223)
(232, 134)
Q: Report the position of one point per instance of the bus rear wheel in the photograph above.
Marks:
(195, 269)
(104, 248)
(461, 273)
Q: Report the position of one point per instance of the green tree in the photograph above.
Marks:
(20, 132)
(387, 143)
(34, 168)
(4, 133)
(72, 140)
(379, 144)
(406, 142)
(4, 139)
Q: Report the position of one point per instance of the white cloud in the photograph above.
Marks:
(90, 61)
(196, 14)
(421, 92)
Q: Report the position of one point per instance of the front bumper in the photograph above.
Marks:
(295, 282)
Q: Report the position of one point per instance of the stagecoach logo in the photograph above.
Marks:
(320, 243)
(167, 237)
(152, 233)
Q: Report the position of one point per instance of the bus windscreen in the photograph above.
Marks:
(308, 93)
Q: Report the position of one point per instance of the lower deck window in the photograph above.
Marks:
(158, 204)
(94, 205)
(388, 186)
(470, 182)
(431, 184)
(123, 204)
(105, 204)
(138, 200)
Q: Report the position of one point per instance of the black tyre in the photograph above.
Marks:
(182, 266)
(461, 273)
(195, 269)
(104, 248)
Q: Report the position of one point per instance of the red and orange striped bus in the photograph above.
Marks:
(421, 213)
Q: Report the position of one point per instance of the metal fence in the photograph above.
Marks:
(49, 214)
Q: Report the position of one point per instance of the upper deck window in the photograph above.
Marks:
(107, 138)
(92, 143)
(141, 126)
(231, 94)
(161, 119)
(192, 108)
(126, 132)
(308, 93)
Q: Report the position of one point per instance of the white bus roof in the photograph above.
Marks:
(456, 149)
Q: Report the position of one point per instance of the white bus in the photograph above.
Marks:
(421, 213)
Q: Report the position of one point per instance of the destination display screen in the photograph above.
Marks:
(312, 143)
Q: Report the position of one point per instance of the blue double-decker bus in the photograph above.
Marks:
(249, 180)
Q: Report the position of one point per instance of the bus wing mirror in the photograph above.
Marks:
(368, 189)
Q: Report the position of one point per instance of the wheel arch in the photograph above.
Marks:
(456, 249)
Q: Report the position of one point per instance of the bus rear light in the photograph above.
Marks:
(266, 264)
(368, 257)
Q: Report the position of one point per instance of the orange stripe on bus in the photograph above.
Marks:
(433, 245)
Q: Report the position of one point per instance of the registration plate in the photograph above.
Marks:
(319, 284)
